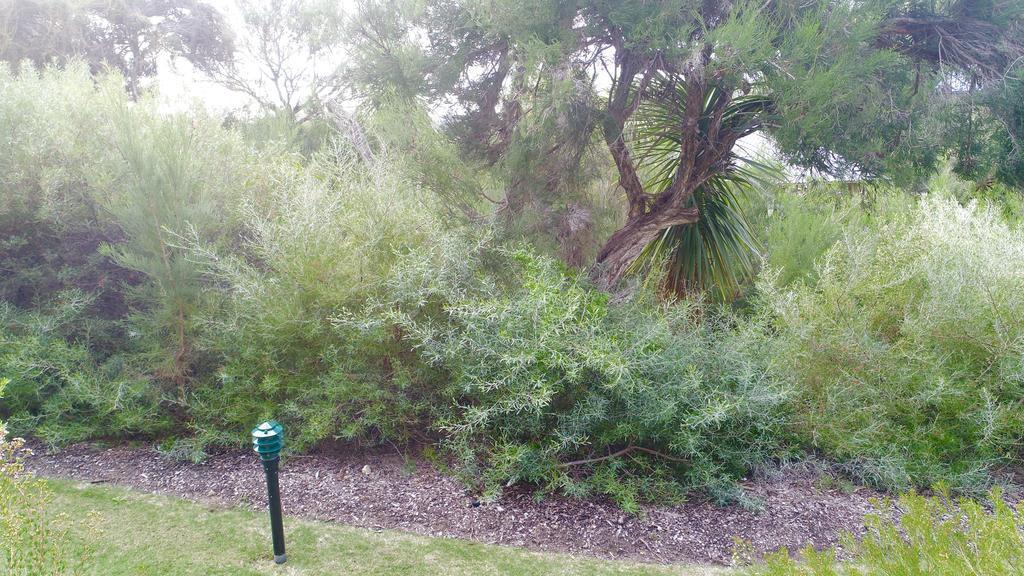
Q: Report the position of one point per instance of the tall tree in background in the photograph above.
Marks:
(979, 45)
(840, 87)
(288, 55)
(128, 35)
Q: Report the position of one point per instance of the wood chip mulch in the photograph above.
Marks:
(385, 491)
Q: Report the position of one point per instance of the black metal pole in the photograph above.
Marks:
(274, 503)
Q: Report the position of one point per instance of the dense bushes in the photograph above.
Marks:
(56, 155)
(96, 191)
(161, 273)
(364, 318)
(323, 244)
(907, 351)
(58, 389)
(553, 384)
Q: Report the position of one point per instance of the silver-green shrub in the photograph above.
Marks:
(907, 353)
(96, 190)
(319, 247)
(553, 384)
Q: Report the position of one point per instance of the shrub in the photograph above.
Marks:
(339, 297)
(31, 542)
(56, 155)
(907, 354)
(801, 224)
(799, 229)
(319, 247)
(934, 536)
(97, 192)
(59, 392)
(552, 384)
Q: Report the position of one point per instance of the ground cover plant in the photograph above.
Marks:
(35, 540)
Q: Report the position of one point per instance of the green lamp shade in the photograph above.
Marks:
(268, 439)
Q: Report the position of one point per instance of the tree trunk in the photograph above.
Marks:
(699, 99)
(626, 244)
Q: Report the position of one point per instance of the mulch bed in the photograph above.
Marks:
(384, 491)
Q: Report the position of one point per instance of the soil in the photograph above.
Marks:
(387, 491)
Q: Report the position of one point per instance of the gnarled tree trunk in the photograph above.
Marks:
(705, 147)
(626, 244)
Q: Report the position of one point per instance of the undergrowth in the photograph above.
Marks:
(165, 278)
(938, 536)
(553, 384)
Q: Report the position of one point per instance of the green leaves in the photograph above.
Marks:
(932, 535)
(169, 172)
(58, 392)
(906, 349)
(719, 252)
(553, 384)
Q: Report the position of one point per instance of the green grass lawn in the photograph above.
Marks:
(140, 534)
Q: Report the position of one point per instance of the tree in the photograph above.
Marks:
(289, 55)
(128, 35)
(842, 87)
(719, 251)
(167, 181)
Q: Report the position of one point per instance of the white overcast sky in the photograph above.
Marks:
(182, 87)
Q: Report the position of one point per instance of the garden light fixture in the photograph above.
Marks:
(267, 441)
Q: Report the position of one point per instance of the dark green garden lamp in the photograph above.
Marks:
(267, 440)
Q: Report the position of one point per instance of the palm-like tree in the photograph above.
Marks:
(719, 251)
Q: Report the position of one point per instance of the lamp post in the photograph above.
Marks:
(267, 441)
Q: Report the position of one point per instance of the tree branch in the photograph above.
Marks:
(619, 110)
(623, 452)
